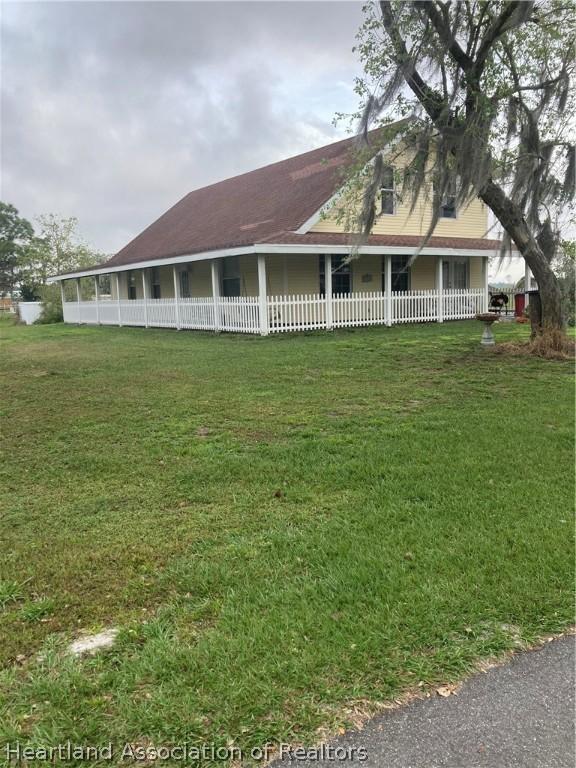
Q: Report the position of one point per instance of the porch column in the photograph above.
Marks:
(262, 302)
(62, 294)
(145, 295)
(485, 283)
(176, 297)
(527, 282)
(118, 300)
(439, 290)
(78, 298)
(328, 290)
(215, 272)
(97, 298)
(388, 288)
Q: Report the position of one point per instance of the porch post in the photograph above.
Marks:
(439, 290)
(328, 291)
(215, 271)
(78, 299)
(262, 302)
(527, 282)
(145, 294)
(388, 287)
(62, 294)
(485, 283)
(176, 296)
(118, 300)
(97, 298)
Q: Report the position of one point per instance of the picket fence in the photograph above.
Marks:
(284, 313)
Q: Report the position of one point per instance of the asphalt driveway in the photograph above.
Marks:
(519, 715)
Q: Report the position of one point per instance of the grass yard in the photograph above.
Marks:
(279, 527)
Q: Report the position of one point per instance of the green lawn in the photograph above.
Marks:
(278, 526)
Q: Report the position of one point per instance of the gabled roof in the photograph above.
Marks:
(246, 209)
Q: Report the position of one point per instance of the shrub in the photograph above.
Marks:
(51, 305)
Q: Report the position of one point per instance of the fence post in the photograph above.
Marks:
(262, 301)
(118, 300)
(485, 283)
(176, 297)
(527, 283)
(328, 291)
(78, 299)
(97, 297)
(145, 295)
(215, 270)
(388, 287)
(439, 289)
(62, 298)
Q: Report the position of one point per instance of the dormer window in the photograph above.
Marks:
(448, 207)
(387, 196)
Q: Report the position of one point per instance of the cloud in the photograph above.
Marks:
(113, 111)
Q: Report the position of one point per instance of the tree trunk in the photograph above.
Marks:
(535, 310)
(511, 218)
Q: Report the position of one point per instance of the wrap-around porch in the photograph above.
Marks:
(268, 293)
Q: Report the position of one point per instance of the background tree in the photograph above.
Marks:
(565, 269)
(487, 85)
(57, 248)
(15, 234)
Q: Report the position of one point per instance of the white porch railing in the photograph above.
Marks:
(285, 313)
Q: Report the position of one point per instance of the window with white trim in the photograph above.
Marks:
(448, 207)
(184, 278)
(155, 283)
(387, 196)
(341, 275)
(131, 284)
(400, 273)
(231, 276)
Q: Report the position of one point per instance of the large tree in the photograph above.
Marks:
(485, 87)
(57, 248)
(15, 234)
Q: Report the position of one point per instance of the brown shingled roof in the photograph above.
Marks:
(263, 206)
(244, 210)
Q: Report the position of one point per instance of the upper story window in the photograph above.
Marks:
(448, 207)
(131, 283)
(387, 196)
(341, 275)
(184, 277)
(155, 283)
(231, 276)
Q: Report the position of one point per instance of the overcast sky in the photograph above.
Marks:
(112, 111)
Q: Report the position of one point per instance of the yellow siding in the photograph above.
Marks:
(277, 271)
(303, 274)
(294, 274)
(166, 283)
(423, 273)
(476, 277)
(367, 273)
(470, 222)
(200, 279)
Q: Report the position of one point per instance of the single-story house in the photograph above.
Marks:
(266, 251)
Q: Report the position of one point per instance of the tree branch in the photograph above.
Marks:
(430, 99)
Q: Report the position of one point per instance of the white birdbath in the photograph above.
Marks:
(487, 336)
